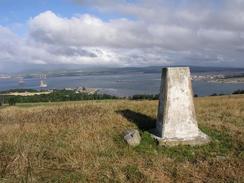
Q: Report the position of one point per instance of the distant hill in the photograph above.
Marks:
(127, 70)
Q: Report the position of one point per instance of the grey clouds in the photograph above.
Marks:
(160, 32)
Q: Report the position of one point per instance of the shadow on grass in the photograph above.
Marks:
(142, 121)
(222, 144)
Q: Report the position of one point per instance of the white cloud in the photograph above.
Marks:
(149, 33)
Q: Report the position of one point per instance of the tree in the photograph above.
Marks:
(1, 100)
(12, 101)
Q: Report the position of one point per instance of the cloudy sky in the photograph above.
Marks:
(94, 33)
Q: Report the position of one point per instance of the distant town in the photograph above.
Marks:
(209, 77)
(219, 78)
(120, 82)
(31, 92)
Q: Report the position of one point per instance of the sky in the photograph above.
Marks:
(108, 33)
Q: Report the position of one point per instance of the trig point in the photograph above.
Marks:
(176, 120)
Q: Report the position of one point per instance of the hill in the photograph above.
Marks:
(83, 142)
(121, 70)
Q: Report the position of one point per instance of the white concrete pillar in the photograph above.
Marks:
(176, 120)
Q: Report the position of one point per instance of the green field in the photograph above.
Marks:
(83, 142)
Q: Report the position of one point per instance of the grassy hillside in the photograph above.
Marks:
(83, 142)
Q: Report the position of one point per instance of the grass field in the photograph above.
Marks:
(83, 142)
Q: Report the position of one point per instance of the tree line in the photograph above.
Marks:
(55, 96)
(67, 95)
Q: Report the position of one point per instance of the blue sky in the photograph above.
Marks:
(15, 14)
(12, 11)
(121, 33)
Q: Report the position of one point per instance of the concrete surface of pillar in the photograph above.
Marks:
(176, 121)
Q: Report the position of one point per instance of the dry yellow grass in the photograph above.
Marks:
(26, 93)
(83, 142)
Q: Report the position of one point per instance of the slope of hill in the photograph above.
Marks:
(83, 142)
(122, 70)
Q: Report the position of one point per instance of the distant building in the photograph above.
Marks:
(43, 82)
(89, 91)
(68, 89)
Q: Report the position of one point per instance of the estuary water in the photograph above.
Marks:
(119, 84)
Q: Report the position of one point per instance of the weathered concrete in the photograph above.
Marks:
(132, 137)
(176, 120)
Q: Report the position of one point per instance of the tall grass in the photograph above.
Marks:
(83, 142)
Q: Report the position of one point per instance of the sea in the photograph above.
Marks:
(119, 84)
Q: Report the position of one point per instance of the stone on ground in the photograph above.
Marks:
(132, 137)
